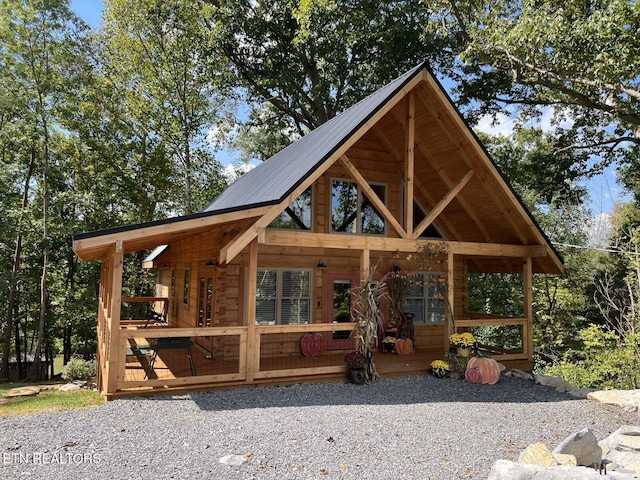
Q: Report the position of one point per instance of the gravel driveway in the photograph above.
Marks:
(404, 428)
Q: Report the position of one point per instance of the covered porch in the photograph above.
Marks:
(139, 356)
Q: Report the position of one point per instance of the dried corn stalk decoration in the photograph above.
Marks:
(369, 318)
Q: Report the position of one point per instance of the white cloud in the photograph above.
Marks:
(502, 126)
(235, 169)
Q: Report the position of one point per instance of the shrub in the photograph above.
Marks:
(605, 361)
(79, 369)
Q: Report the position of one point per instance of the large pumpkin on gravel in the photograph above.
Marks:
(488, 367)
(312, 344)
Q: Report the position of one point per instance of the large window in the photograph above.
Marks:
(351, 210)
(426, 299)
(296, 216)
(283, 297)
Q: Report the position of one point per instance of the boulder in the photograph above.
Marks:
(537, 454)
(627, 399)
(581, 393)
(583, 445)
(514, 372)
(28, 391)
(69, 387)
(506, 470)
(557, 383)
(622, 447)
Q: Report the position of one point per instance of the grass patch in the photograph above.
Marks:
(47, 401)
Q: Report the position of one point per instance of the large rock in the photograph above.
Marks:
(506, 470)
(581, 393)
(623, 448)
(583, 445)
(627, 399)
(69, 387)
(514, 372)
(537, 454)
(557, 383)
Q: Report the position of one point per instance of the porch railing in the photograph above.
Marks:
(523, 326)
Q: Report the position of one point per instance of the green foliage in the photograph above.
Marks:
(605, 361)
(79, 369)
(575, 59)
(302, 63)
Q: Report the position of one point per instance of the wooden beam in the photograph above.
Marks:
(88, 248)
(365, 263)
(459, 144)
(372, 196)
(420, 146)
(452, 231)
(451, 297)
(527, 330)
(253, 338)
(231, 250)
(284, 238)
(442, 204)
(409, 162)
(114, 361)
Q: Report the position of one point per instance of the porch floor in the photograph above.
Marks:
(171, 364)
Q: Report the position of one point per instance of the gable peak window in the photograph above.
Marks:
(297, 216)
(351, 210)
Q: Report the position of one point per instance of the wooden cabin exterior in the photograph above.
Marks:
(274, 256)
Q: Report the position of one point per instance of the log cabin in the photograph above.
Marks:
(276, 255)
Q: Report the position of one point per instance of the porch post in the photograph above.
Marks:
(253, 343)
(450, 314)
(113, 321)
(365, 263)
(527, 332)
(409, 163)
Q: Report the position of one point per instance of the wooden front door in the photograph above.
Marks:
(206, 304)
(340, 300)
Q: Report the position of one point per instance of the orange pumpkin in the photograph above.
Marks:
(473, 375)
(312, 345)
(404, 346)
(488, 367)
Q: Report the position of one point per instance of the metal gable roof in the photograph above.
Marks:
(271, 181)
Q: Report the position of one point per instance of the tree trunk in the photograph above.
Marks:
(13, 286)
(45, 253)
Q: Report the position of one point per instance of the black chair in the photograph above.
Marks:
(171, 343)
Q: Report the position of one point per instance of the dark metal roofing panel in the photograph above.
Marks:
(271, 181)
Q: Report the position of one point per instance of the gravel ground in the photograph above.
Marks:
(407, 428)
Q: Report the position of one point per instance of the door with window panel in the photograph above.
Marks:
(340, 300)
(206, 304)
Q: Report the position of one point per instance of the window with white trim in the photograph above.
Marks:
(351, 210)
(425, 299)
(283, 296)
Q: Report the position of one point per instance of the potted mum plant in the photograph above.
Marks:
(463, 343)
(439, 368)
(356, 363)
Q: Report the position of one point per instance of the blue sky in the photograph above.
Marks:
(603, 189)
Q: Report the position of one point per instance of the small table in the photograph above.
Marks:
(171, 343)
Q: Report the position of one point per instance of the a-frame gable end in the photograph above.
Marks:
(235, 246)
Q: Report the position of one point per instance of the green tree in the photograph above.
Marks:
(172, 93)
(575, 58)
(302, 63)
